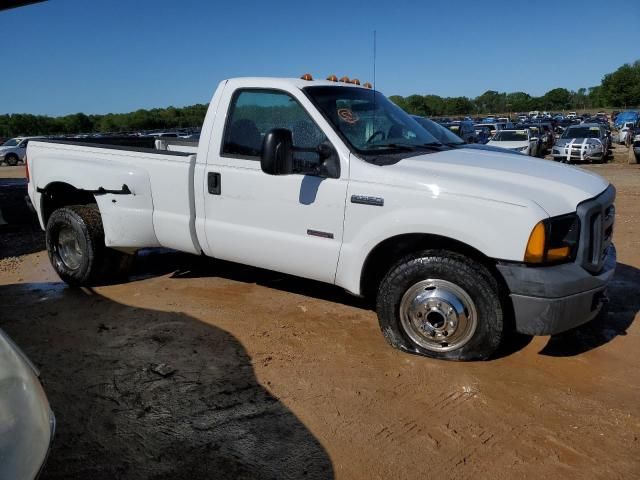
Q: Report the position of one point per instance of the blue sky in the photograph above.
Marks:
(98, 56)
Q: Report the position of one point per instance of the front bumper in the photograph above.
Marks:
(576, 155)
(553, 299)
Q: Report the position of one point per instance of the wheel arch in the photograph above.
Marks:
(61, 194)
(389, 251)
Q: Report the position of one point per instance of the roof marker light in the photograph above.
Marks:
(332, 78)
(367, 85)
(307, 76)
(344, 79)
(355, 81)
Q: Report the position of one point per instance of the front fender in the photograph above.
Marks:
(498, 230)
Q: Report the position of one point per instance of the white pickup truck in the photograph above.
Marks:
(332, 182)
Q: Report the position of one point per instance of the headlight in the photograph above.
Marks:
(553, 240)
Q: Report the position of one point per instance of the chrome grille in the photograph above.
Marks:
(597, 217)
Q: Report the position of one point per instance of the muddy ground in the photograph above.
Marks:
(205, 369)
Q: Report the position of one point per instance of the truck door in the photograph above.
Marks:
(291, 223)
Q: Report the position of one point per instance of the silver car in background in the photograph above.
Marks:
(587, 142)
(520, 140)
(26, 421)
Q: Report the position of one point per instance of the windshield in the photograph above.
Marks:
(442, 134)
(511, 136)
(368, 121)
(12, 142)
(582, 132)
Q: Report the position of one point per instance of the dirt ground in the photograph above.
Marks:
(205, 369)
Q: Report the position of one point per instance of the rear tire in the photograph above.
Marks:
(442, 305)
(12, 160)
(75, 244)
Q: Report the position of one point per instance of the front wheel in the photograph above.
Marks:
(443, 305)
(75, 244)
(12, 160)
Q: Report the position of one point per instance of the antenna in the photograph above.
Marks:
(374, 59)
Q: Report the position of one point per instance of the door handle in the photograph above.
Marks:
(213, 182)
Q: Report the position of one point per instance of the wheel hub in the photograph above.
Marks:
(438, 315)
(69, 249)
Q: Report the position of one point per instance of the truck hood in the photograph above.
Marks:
(502, 177)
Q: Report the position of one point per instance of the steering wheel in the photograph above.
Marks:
(378, 133)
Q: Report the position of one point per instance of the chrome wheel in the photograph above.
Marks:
(438, 315)
(69, 249)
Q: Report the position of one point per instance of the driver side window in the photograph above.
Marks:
(253, 113)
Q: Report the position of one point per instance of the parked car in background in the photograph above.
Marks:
(625, 129)
(635, 145)
(483, 134)
(493, 127)
(521, 141)
(572, 115)
(14, 150)
(544, 142)
(548, 135)
(626, 116)
(26, 421)
(584, 142)
(465, 130)
(164, 134)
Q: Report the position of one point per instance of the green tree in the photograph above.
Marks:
(416, 105)
(492, 102)
(557, 99)
(518, 101)
(622, 87)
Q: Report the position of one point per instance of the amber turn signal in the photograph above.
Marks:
(535, 247)
(554, 254)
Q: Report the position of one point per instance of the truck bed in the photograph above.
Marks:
(145, 196)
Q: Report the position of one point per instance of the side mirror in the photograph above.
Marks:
(277, 152)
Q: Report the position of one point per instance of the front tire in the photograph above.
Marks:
(12, 160)
(443, 305)
(75, 244)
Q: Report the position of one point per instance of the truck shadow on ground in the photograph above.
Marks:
(144, 394)
(623, 290)
(624, 305)
(20, 233)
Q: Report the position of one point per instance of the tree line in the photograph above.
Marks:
(22, 124)
(619, 89)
